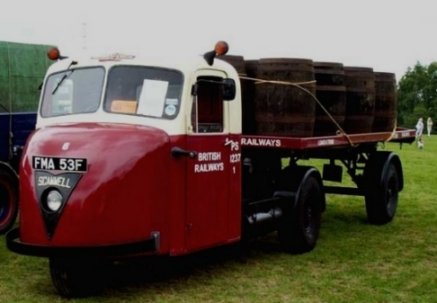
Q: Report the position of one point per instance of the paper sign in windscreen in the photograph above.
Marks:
(152, 97)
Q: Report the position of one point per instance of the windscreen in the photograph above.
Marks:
(145, 91)
(74, 91)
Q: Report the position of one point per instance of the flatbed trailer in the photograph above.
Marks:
(378, 177)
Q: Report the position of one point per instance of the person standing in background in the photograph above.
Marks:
(419, 128)
(429, 126)
(419, 133)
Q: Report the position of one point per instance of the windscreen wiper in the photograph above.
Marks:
(64, 77)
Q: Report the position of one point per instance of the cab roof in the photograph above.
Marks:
(184, 64)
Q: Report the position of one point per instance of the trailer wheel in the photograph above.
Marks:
(300, 225)
(74, 277)
(382, 187)
(8, 200)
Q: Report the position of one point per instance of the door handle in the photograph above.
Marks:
(179, 152)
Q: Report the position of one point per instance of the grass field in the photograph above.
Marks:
(353, 261)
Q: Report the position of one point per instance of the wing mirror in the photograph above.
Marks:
(229, 89)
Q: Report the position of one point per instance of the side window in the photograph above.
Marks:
(207, 114)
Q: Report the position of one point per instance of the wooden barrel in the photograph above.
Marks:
(360, 99)
(245, 68)
(251, 68)
(248, 97)
(285, 110)
(331, 92)
(385, 102)
(236, 61)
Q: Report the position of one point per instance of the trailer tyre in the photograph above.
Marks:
(75, 277)
(300, 225)
(382, 189)
(8, 199)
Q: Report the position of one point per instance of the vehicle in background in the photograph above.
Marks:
(22, 70)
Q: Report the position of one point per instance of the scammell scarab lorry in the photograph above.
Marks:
(136, 157)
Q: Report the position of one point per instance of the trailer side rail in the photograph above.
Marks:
(296, 143)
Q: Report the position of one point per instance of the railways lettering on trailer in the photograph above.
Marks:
(261, 142)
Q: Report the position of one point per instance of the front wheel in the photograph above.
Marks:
(8, 200)
(75, 277)
(300, 225)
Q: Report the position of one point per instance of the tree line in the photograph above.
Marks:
(417, 94)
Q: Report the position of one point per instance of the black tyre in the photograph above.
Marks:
(8, 199)
(382, 183)
(76, 277)
(300, 225)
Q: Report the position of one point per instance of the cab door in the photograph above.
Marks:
(210, 173)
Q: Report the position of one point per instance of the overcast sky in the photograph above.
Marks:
(387, 35)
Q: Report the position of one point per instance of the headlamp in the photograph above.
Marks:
(54, 200)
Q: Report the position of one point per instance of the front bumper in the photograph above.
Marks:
(14, 244)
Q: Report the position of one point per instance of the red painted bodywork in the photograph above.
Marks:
(121, 198)
(213, 192)
(134, 186)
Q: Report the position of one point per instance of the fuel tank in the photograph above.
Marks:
(112, 179)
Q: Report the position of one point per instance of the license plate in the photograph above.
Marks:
(55, 163)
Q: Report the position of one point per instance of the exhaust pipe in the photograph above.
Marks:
(257, 218)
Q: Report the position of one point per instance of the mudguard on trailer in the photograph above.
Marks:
(300, 224)
(383, 179)
(384, 159)
(291, 180)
